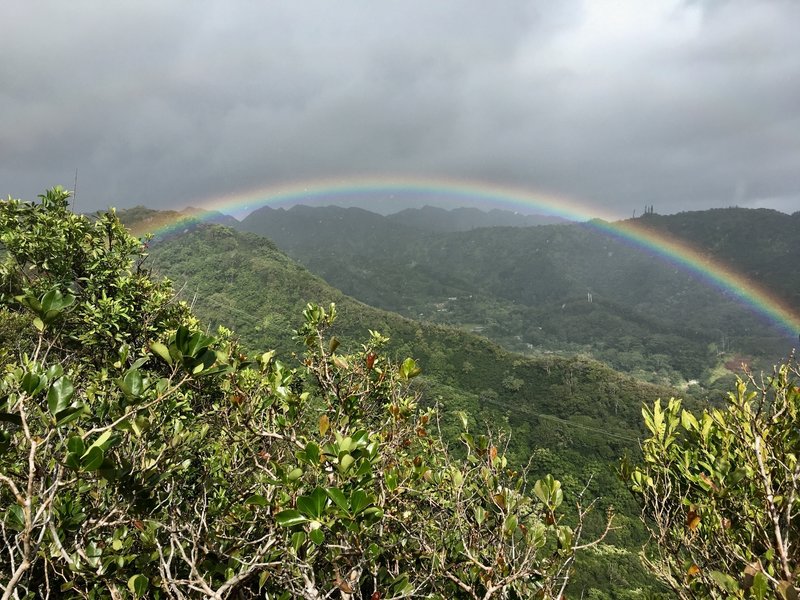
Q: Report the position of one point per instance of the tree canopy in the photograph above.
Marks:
(144, 455)
(141, 455)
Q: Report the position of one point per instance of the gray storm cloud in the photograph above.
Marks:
(617, 103)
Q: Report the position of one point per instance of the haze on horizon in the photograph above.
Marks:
(617, 104)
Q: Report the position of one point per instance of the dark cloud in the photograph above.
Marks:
(617, 103)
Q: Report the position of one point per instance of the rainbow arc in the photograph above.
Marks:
(488, 196)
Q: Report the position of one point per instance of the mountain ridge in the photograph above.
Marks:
(523, 286)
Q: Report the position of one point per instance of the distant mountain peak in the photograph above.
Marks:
(141, 220)
(464, 218)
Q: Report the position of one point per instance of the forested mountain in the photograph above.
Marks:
(434, 219)
(761, 244)
(570, 287)
(144, 439)
(146, 453)
(573, 415)
(244, 282)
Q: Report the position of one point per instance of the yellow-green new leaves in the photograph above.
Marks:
(662, 423)
(548, 490)
(721, 491)
(409, 369)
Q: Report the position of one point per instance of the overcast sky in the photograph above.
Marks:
(680, 104)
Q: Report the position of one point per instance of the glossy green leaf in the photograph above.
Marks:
(55, 302)
(92, 459)
(510, 525)
(59, 395)
(312, 453)
(73, 461)
(725, 581)
(338, 498)
(182, 336)
(138, 585)
(103, 441)
(32, 383)
(68, 415)
(313, 505)
(345, 462)
(256, 500)
(204, 361)
(290, 518)
(29, 301)
(364, 467)
(373, 513)
(298, 539)
(161, 351)
(15, 517)
(75, 445)
(358, 501)
(132, 384)
(317, 536)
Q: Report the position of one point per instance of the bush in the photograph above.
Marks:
(720, 491)
(141, 456)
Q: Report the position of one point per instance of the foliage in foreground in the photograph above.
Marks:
(721, 492)
(140, 456)
(576, 416)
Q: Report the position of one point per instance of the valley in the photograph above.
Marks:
(565, 288)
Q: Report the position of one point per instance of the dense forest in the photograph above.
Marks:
(250, 431)
(573, 288)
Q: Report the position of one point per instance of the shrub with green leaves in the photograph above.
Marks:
(720, 491)
(141, 456)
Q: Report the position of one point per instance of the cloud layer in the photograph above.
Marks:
(616, 103)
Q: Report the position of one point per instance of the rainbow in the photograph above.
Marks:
(487, 195)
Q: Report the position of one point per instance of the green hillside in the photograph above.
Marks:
(573, 416)
(144, 449)
(529, 288)
(434, 219)
(243, 281)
